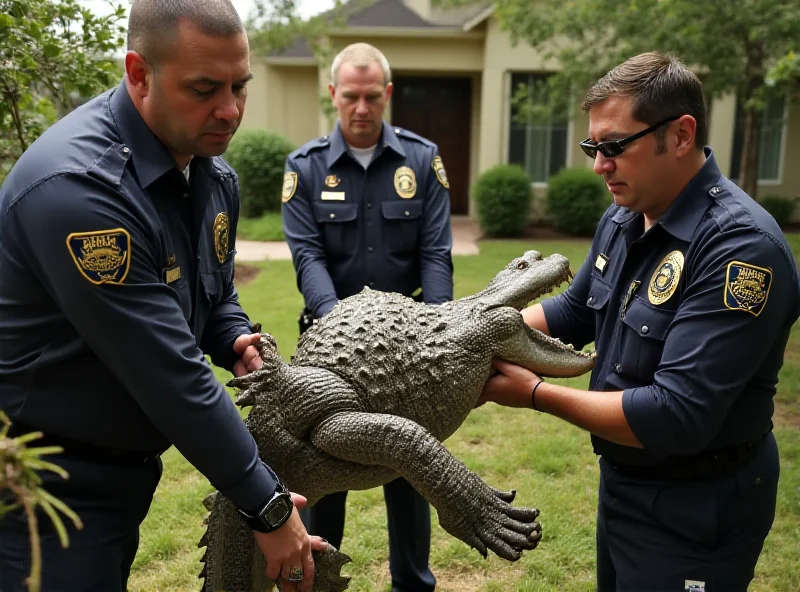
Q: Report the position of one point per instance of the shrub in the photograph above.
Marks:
(503, 197)
(576, 200)
(779, 207)
(258, 157)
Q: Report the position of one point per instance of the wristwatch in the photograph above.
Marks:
(274, 513)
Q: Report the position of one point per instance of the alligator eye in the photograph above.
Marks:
(522, 265)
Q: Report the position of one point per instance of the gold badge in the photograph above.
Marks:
(102, 257)
(665, 279)
(747, 287)
(438, 166)
(289, 186)
(405, 182)
(332, 181)
(221, 236)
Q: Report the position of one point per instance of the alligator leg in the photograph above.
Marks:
(468, 508)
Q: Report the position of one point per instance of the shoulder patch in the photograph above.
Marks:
(289, 186)
(102, 257)
(747, 287)
(438, 166)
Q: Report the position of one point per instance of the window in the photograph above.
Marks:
(538, 145)
(769, 154)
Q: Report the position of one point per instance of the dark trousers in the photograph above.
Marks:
(111, 500)
(655, 535)
(409, 524)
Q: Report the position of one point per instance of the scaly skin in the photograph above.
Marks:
(373, 390)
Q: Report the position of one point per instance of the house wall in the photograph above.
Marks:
(283, 100)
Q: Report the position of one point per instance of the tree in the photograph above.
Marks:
(53, 53)
(748, 47)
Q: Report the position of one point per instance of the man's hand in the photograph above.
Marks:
(249, 360)
(289, 548)
(510, 387)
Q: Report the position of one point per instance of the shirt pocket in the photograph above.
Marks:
(401, 225)
(339, 223)
(599, 292)
(643, 339)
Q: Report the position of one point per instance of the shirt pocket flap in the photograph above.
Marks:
(648, 321)
(335, 212)
(599, 292)
(401, 210)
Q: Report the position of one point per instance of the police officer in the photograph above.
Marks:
(116, 277)
(368, 206)
(686, 274)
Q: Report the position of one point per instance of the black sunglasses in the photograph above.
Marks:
(614, 148)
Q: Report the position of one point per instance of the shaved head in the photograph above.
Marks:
(153, 24)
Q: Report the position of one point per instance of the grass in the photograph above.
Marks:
(549, 463)
(266, 228)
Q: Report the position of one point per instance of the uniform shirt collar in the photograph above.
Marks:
(685, 213)
(388, 139)
(151, 159)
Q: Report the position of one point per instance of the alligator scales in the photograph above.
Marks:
(371, 393)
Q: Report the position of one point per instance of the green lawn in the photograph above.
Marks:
(547, 461)
(266, 228)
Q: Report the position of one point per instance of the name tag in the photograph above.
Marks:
(172, 275)
(333, 195)
(600, 263)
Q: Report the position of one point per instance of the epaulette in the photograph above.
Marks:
(409, 135)
(311, 146)
(716, 191)
(222, 167)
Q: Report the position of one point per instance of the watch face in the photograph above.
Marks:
(279, 511)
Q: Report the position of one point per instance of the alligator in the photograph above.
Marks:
(372, 391)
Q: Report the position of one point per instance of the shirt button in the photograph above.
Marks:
(372, 284)
(617, 367)
(369, 204)
(370, 249)
(591, 299)
(645, 329)
(126, 150)
(333, 216)
(406, 213)
(185, 195)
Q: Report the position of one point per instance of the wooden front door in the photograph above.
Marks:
(440, 109)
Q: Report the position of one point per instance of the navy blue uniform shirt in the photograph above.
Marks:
(116, 275)
(386, 227)
(689, 319)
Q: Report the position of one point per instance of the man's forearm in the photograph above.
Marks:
(596, 412)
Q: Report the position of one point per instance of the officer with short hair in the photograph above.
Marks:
(689, 292)
(117, 234)
(368, 206)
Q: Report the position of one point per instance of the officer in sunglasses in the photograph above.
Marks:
(689, 293)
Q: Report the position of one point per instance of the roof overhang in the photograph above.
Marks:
(478, 18)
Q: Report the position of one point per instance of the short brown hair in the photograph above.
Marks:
(660, 86)
(153, 24)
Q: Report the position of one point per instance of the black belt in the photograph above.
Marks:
(86, 450)
(706, 465)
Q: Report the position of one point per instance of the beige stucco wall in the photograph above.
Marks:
(283, 100)
(789, 184)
